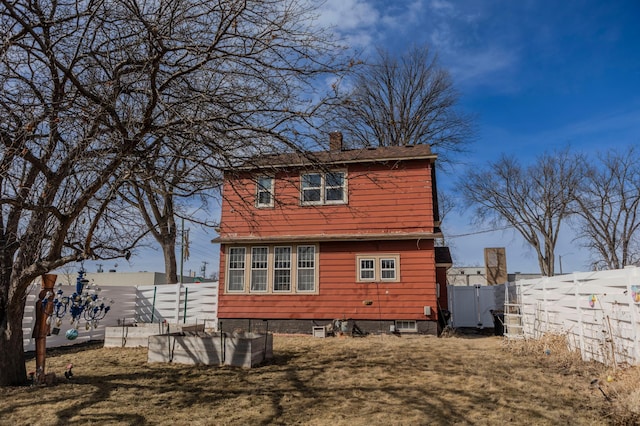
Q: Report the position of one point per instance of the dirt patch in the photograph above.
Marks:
(340, 381)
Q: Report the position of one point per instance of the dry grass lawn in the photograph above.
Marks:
(377, 380)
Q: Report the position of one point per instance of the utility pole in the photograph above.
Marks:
(204, 269)
(184, 249)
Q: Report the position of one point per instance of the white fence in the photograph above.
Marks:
(174, 303)
(598, 311)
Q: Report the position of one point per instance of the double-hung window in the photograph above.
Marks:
(324, 188)
(378, 268)
(306, 268)
(281, 269)
(259, 268)
(264, 192)
(236, 268)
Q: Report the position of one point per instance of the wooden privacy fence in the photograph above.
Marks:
(173, 303)
(599, 312)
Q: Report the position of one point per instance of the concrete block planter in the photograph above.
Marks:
(137, 335)
(200, 348)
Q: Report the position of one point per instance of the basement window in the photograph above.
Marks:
(406, 326)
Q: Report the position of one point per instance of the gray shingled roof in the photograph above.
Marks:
(387, 153)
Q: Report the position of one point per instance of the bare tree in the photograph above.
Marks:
(534, 200)
(91, 89)
(405, 101)
(165, 187)
(607, 206)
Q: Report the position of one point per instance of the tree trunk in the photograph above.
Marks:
(170, 268)
(13, 371)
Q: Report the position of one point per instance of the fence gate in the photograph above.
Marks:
(471, 306)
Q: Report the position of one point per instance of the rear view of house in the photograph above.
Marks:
(337, 234)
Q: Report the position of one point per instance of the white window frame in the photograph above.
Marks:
(323, 188)
(231, 266)
(277, 268)
(377, 260)
(372, 269)
(382, 260)
(306, 268)
(326, 187)
(255, 270)
(261, 189)
(406, 326)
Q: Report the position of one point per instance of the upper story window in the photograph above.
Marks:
(324, 188)
(264, 191)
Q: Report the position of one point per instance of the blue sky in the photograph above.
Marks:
(537, 74)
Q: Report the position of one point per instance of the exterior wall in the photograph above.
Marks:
(340, 295)
(382, 198)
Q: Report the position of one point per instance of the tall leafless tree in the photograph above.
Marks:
(533, 199)
(91, 89)
(405, 100)
(165, 188)
(607, 207)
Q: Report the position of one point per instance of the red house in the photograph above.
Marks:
(337, 234)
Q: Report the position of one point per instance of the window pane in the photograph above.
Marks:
(334, 179)
(313, 180)
(334, 194)
(259, 280)
(306, 280)
(306, 268)
(311, 195)
(236, 280)
(282, 280)
(264, 198)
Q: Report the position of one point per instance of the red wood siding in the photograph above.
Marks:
(382, 198)
(340, 295)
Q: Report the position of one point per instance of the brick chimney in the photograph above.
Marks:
(335, 141)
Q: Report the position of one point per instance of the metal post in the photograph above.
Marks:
(42, 329)
(153, 306)
(186, 295)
